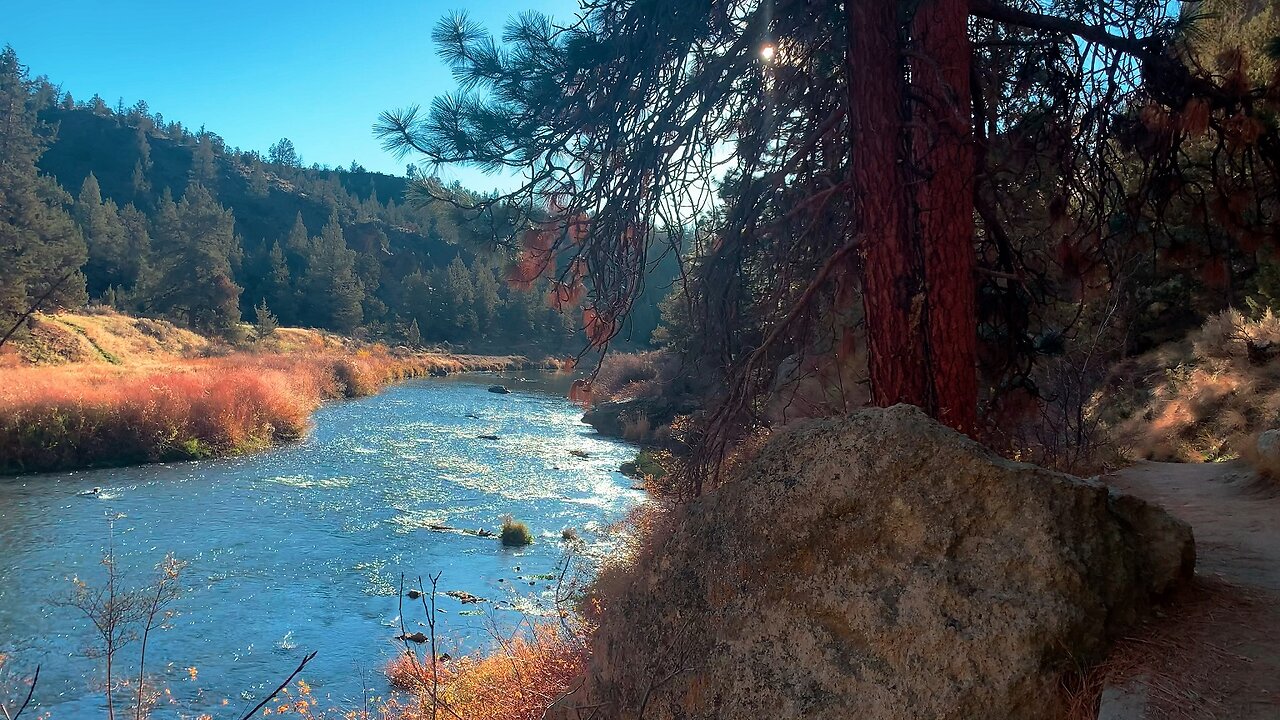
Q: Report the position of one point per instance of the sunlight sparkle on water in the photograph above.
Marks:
(301, 548)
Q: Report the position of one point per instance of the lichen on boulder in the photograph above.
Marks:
(879, 565)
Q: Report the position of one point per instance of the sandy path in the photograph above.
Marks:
(1217, 654)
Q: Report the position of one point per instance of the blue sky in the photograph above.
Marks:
(316, 72)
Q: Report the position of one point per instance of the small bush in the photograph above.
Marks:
(515, 533)
(649, 465)
(623, 376)
(519, 680)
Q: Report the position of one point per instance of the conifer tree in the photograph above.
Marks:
(297, 246)
(279, 287)
(413, 335)
(144, 147)
(458, 298)
(258, 186)
(110, 257)
(41, 249)
(197, 244)
(487, 300)
(141, 186)
(204, 164)
(265, 322)
(331, 284)
(284, 154)
(139, 272)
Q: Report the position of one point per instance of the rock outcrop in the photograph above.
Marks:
(623, 418)
(876, 566)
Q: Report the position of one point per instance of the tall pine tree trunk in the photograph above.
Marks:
(912, 175)
(943, 158)
(892, 268)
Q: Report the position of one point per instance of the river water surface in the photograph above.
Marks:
(301, 548)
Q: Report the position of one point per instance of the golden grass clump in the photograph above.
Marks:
(623, 376)
(515, 533)
(89, 414)
(519, 680)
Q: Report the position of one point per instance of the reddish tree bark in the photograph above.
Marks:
(892, 268)
(943, 153)
(912, 183)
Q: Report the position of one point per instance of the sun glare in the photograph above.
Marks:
(767, 52)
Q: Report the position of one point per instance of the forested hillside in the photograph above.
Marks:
(120, 206)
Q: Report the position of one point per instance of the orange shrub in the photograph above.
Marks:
(517, 681)
(83, 415)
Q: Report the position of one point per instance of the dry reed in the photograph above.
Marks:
(92, 414)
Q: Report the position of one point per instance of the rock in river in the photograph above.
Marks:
(465, 597)
(499, 389)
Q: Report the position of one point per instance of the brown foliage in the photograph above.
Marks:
(80, 415)
(519, 680)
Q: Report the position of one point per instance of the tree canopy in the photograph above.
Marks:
(963, 191)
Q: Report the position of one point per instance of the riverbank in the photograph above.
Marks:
(137, 395)
(301, 548)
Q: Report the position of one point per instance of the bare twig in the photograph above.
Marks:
(36, 305)
(30, 692)
(431, 627)
(282, 686)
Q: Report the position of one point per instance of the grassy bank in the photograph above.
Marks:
(128, 400)
(1202, 399)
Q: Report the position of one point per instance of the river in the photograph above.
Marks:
(301, 548)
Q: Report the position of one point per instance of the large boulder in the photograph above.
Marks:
(874, 566)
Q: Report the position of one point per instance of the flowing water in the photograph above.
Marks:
(301, 548)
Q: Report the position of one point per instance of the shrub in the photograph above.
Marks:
(623, 376)
(518, 681)
(1202, 400)
(515, 533)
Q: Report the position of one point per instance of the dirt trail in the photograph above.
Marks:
(1216, 654)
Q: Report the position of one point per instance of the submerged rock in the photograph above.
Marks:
(465, 597)
(478, 532)
(499, 389)
(880, 566)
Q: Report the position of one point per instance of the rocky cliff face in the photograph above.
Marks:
(876, 566)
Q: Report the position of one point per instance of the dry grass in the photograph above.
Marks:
(1202, 400)
(1180, 658)
(517, 681)
(101, 337)
(149, 405)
